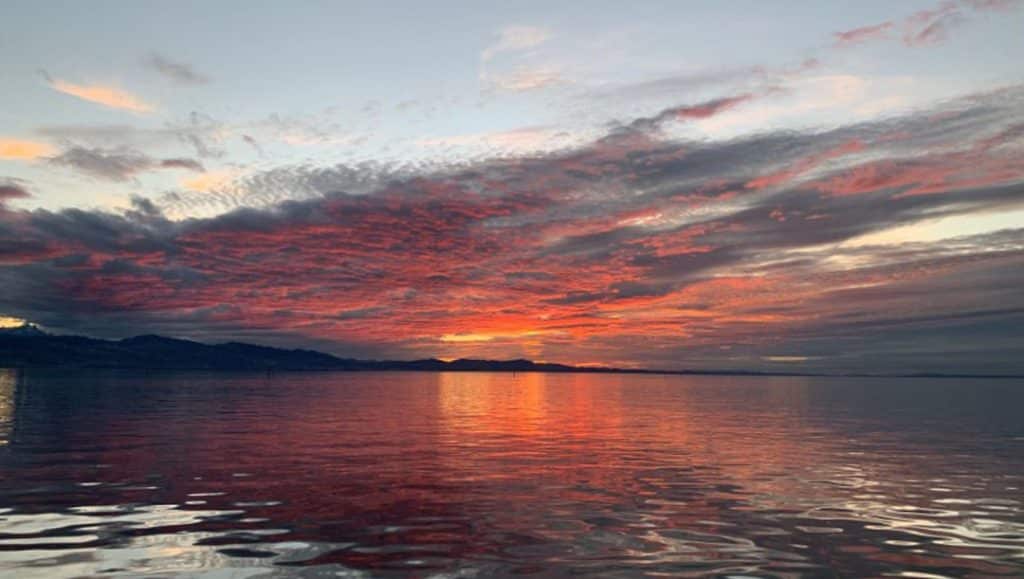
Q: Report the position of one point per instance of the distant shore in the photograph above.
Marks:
(29, 347)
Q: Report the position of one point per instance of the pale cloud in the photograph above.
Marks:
(522, 140)
(526, 79)
(514, 39)
(204, 134)
(19, 149)
(822, 101)
(107, 96)
(307, 139)
(211, 181)
(995, 5)
(941, 229)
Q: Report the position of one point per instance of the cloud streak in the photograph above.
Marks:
(108, 96)
(515, 39)
(691, 112)
(863, 34)
(118, 165)
(175, 71)
(11, 189)
(924, 27)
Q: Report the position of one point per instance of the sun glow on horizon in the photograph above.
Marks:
(11, 322)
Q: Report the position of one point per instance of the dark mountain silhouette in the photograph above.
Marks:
(23, 330)
(29, 347)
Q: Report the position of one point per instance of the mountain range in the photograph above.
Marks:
(27, 346)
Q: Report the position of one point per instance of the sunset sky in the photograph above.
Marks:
(809, 186)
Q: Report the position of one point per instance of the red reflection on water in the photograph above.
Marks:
(516, 471)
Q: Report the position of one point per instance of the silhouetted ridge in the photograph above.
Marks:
(28, 346)
(23, 330)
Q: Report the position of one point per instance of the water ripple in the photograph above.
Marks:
(480, 475)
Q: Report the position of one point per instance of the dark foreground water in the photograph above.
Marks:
(480, 475)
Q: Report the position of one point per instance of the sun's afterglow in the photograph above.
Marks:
(9, 322)
(459, 338)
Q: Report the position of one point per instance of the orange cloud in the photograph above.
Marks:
(457, 338)
(210, 181)
(107, 96)
(24, 150)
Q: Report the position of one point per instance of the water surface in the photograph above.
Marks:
(480, 475)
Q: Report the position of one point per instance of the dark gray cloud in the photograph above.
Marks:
(117, 164)
(673, 86)
(11, 188)
(702, 110)
(190, 164)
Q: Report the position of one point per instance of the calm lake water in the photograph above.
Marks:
(480, 475)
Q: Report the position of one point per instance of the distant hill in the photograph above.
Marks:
(28, 346)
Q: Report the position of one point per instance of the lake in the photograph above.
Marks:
(129, 474)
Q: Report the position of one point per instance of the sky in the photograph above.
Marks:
(789, 186)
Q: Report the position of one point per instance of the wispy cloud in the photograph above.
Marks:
(925, 27)
(994, 5)
(108, 96)
(519, 141)
(932, 26)
(704, 110)
(524, 79)
(515, 39)
(176, 71)
(203, 134)
(863, 34)
(119, 164)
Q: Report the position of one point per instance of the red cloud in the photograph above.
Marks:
(804, 165)
(978, 166)
(630, 245)
(12, 192)
(710, 108)
(931, 26)
(864, 33)
(923, 27)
